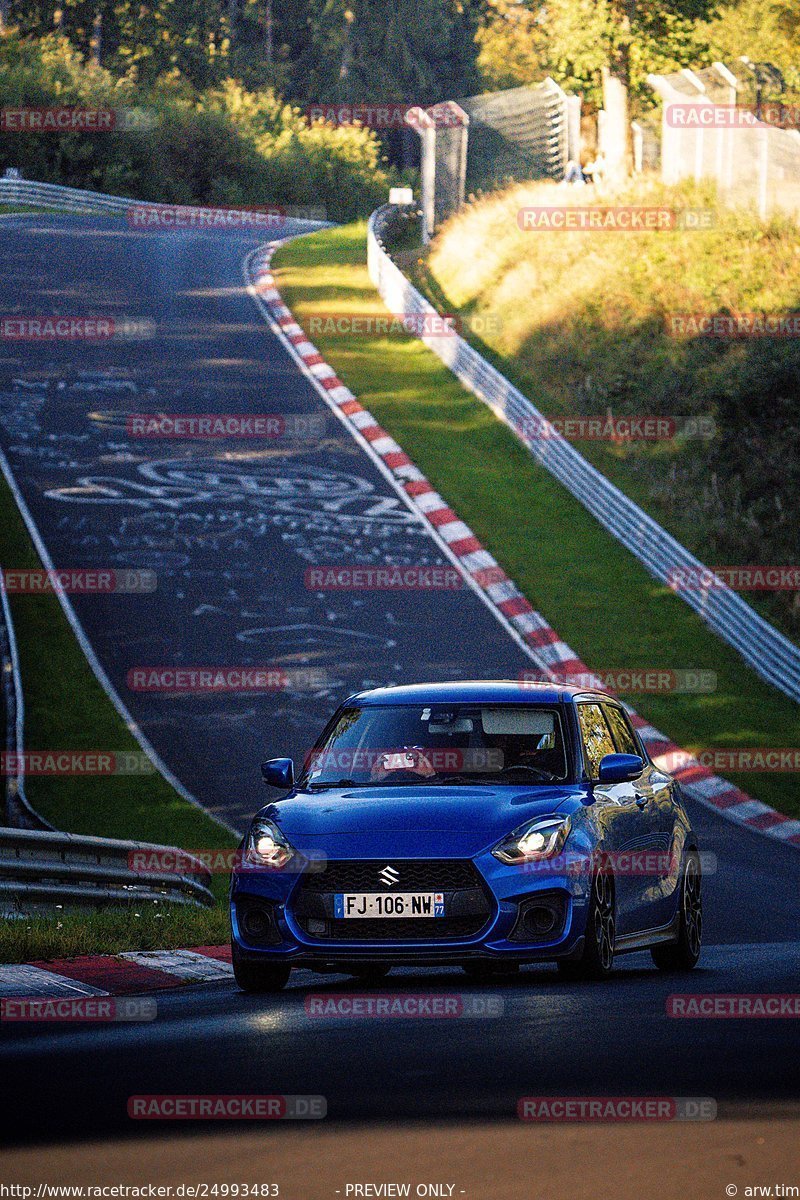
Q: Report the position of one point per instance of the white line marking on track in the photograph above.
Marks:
(24, 980)
(185, 964)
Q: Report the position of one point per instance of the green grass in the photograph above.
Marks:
(66, 709)
(598, 597)
(140, 927)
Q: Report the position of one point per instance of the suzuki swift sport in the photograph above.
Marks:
(484, 824)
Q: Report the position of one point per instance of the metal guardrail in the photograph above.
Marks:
(40, 869)
(15, 190)
(53, 195)
(771, 655)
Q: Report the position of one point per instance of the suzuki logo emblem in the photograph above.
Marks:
(389, 876)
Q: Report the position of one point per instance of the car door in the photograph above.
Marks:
(654, 866)
(616, 811)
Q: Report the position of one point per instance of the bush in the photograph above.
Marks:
(228, 146)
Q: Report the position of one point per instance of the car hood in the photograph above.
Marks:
(410, 820)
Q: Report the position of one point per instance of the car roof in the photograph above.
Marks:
(476, 691)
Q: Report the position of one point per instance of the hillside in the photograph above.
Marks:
(588, 323)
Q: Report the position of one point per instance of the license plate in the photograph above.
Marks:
(360, 905)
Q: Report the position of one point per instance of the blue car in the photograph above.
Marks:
(485, 824)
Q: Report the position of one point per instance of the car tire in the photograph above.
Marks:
(683, 954)
(369, 974)
(258, 977)
(597, 960)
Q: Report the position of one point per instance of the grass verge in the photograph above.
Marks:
(591, 323)
(599, 598)
(66, 709)
(29, 939)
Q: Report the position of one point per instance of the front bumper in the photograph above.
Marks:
(494, 912)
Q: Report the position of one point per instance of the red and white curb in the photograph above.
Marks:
(116, 975)
(555, 658)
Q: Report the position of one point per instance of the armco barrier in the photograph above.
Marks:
(14, 190)
(771, 655)
(40, 869)
(52, 195)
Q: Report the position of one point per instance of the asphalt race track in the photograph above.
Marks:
(552, 1039)
(229, 527)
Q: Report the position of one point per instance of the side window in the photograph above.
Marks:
(597, 740)
(620, 730)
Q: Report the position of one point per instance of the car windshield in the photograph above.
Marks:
(439, 743)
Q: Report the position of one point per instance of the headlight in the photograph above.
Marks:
(266, 846)
(542, 838)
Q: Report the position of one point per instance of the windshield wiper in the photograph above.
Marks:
(329, 783)
(454, 778)
(542, 775)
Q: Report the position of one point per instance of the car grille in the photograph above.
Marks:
(468, 904)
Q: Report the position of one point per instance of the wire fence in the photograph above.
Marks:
(771, 655)
(484, 142)
(711, 130)
(518, 134)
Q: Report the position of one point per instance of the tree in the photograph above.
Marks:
(765, 30)
(606, 48)
(414, 51)
(513, 47)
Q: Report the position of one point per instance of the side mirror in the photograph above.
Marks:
(619, 768)
(278, 772)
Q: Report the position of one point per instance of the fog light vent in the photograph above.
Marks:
(257, 923)
(540, 918)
